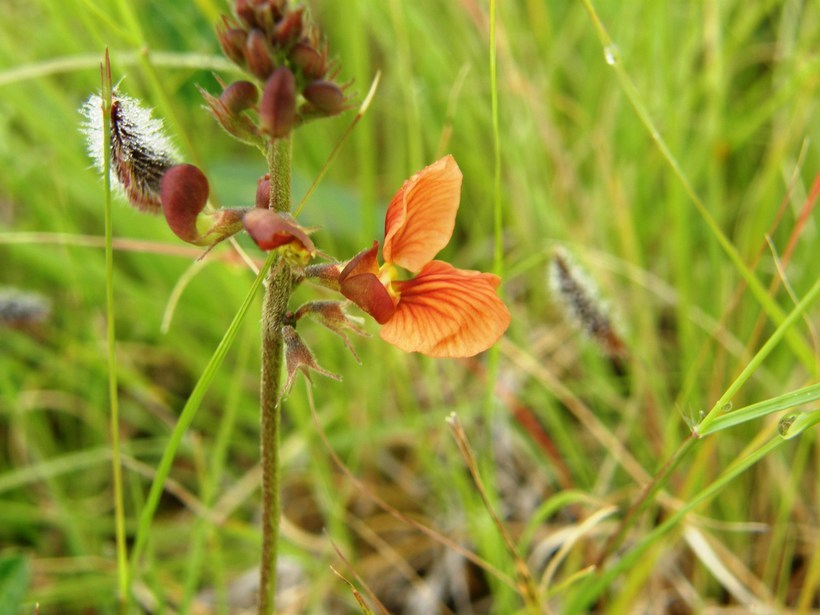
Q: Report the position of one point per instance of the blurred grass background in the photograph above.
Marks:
(732, 88)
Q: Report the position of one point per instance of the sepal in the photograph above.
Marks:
(299, 358)
(331, 315)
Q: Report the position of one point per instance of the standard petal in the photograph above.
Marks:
(422, 214)
(447, 312)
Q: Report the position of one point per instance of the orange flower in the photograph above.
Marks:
(442, 311)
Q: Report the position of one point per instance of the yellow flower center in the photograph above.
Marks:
(388, 273)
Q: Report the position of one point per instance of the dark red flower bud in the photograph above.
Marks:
(237, 124)
(277, 109)
(265, 17)
(244, 10)
(277, 7)
(240, 95)
(232, 41)
(184, 193)
(289, 29)
(271, 230)
(258, 55)
(308, 60)
(325, 96)
(263, 192)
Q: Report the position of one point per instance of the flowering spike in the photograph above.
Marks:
(331, 315)
(277, 109)
(140, 151)
(579, 297)
(298, 358)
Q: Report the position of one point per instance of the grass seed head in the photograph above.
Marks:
(141, 152)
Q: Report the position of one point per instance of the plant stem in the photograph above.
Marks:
(274, 307)
(113, 396)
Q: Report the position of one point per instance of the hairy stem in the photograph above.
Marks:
(274, 307)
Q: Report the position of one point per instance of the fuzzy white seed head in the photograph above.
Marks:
(20, 309)
(581, 301)
(140, 150)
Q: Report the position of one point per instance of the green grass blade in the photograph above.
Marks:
(782, 330)
(588, 592)
(111, 335)
(188, 413)
(755, 411)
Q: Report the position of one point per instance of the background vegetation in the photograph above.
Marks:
(732, 88)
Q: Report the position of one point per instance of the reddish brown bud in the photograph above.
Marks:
(184, 193)
(308, 60)
(289, 29)
(325, 96)
(271, 230)
(237, 124)
(277, 109)
(265, 17)
(240, 95)
(263, 192)
(277, 8)
(244, 10)
(258, 55)
(232, 41)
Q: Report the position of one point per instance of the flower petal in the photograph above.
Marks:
(360, 283)
(270, 231)
(365, 261)
(422, 214)
(447, 312)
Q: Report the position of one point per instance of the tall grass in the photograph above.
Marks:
(674, 157)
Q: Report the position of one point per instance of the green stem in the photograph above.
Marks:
(274, 308)
(116, 457)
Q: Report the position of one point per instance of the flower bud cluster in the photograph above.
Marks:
(282, 49)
